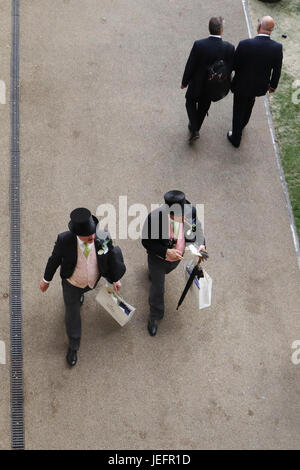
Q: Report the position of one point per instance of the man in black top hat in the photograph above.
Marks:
(83, 258)
(166, 232)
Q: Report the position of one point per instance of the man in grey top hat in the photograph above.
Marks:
(83, 258)
(166, 232)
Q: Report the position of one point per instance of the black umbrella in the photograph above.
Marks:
(197, 272)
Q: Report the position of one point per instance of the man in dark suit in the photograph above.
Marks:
(166, 232)
(257, 65)
(203, 54)
(83, 259)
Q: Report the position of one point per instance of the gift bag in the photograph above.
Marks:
(201, 288)
(205, 290)
(113, 303)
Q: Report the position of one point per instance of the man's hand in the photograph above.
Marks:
(117, 285)
(44, 285)
(173, 254)
(271, 90)
(182, 87)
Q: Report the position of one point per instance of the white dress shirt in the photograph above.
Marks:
(82, 244)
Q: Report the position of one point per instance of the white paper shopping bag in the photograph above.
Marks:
(114, 304)
(201, 288)
(205, 290)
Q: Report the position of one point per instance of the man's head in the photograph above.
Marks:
(265, 25)
(83, 224)
(175, 200)
(215, 25)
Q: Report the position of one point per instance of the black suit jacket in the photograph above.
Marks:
(64, 254)
(257, 65)
(155, 236)
(204, 53)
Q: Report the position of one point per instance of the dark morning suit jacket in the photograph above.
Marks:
(155, 237)
(257, 65)
(110, 265)
(204, 53)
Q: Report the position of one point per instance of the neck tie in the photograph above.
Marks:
(87, 250)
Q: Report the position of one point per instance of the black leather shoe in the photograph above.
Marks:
(229, 137)
(81, 300)
(152, 327)
(71, 357)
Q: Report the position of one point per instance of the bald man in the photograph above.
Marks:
(257, 64)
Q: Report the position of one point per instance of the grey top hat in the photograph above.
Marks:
(82, 222)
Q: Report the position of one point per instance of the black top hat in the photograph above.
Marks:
(175, 197)
(82, 222)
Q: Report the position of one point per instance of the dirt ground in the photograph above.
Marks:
(286, 15)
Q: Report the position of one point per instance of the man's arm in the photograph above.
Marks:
(155, 247)
(54, 261)
(196, 236)
(230, 58)
(276, 72)
(151, 235)
(190, 67)
(237, 57)
(116, 266)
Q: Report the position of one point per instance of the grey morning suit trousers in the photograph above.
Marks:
(72, 296)
(158, 268)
